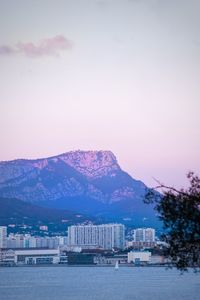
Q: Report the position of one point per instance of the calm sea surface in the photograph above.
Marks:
(97, 283)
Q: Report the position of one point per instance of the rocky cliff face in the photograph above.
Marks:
(92, 164)
(84, 181)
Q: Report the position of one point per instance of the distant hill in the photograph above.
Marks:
(14, 211)
(90, 182)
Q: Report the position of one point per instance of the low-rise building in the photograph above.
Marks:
(157, 260)
(29, 256)
(7, 257)
(138, 257)
(34, 256)
(112, 259)
(81, 259)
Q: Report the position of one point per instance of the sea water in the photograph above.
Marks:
(97, 283)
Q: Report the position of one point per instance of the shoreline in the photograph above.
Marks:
(86, 265)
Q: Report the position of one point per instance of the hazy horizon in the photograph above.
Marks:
(117, 75)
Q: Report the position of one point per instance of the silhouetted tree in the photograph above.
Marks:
(179, 210)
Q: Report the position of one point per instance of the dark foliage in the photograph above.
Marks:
(179, 210)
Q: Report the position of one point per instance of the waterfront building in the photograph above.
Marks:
(138, 257)
(7, 256)
(29, 256)
(110, 259)
(81, 259)
(144, 235)
(3, 236)
(105, 236)
(157, 259)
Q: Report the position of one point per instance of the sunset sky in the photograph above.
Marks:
(119, 75)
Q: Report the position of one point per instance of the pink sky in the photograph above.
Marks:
(116, 75)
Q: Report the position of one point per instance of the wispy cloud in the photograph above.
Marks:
(6, 50)
(45, 47)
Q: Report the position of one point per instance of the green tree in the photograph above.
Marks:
(179, 210)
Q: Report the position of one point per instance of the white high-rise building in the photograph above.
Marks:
(3, 236)
(106, 236)
(144, 235)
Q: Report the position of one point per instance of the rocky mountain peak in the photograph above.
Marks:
(92, 164)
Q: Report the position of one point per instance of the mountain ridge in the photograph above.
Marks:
(19, 212)
(71, 158)
(91, 182)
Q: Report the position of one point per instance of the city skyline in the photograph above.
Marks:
(103, 75)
